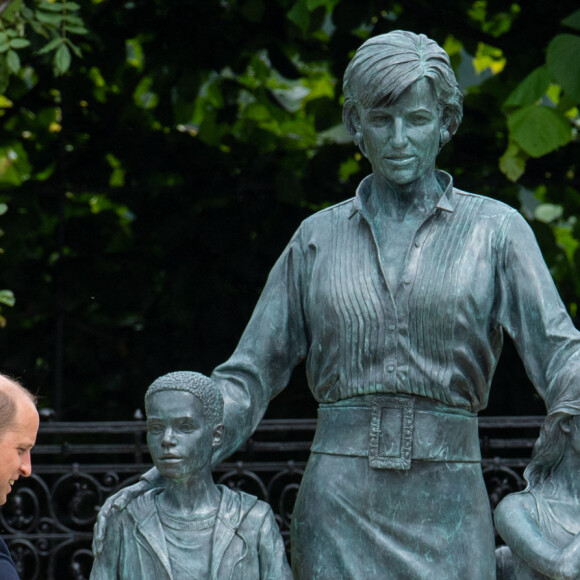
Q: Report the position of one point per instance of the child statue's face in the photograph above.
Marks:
(179, 437)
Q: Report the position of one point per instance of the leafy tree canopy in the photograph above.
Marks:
(156, 156)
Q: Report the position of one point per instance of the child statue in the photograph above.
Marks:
(541, 524)
(191, 527)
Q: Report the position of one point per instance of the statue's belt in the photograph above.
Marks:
(392, 431)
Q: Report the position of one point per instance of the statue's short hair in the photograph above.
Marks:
(10, 390)
(386, 65)
(198, 385)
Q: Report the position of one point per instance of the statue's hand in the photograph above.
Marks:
(568, 571)
(569, 568)
(119, 501)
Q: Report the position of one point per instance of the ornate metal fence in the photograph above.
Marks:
(48, 519)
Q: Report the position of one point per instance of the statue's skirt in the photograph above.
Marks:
(351, 520)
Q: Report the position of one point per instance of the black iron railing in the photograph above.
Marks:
(48, 519)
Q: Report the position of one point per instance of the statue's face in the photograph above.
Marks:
(401, 140)
(178, 434)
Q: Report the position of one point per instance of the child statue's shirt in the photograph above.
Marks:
(189, 542)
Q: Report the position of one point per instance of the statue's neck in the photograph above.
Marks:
(396, 202)
(196, 496)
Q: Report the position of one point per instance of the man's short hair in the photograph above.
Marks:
(10, 390)
(386, 65)
(198, 385)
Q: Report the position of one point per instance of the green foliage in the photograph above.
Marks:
(543, 108)
(53, 24)
(153, 182)
(564, 64)
(539, 130)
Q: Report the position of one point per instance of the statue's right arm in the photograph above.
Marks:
(273, 343)
(119, 501)
(516, 524)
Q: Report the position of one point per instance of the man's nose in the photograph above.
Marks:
(26, 465)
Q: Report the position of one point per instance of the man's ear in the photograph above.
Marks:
(218, 435)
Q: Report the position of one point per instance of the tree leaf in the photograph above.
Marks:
(76, 29)
(573, 21)
(62, 59)
(566, 240)
(13, 61)
(51, 6)
(532, 88)
(52, 45)
(548, 212)
(75, 20)
(7, 297)
(19, 43)
(74, 48)
(299, 15)
(55, 19)
(513, 162)
(539, 130)
(563, 60)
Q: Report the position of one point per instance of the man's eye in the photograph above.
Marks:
(154, 428)
(187, 427)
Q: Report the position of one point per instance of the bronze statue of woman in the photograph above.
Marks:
(398, 299)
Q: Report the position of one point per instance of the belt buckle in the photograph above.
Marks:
(391, 432)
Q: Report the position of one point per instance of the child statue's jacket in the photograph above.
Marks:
(246, 542)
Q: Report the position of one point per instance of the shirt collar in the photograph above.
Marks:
(446, 201)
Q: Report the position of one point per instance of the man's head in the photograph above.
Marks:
(387, 65)
(18, 428)
(184, 423)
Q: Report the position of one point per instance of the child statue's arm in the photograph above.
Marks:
(515, 520)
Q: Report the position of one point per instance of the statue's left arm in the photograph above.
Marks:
(532, 312)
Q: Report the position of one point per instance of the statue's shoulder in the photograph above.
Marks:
(317, 227)
(241, 506)
(490, 214)
(141, 505)
(344, 208)
(488, 204)
(513, 503)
